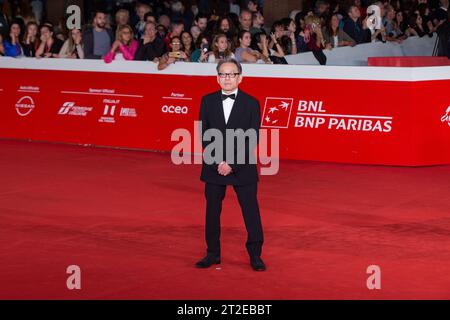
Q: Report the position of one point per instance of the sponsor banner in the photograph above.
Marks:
(353, 121)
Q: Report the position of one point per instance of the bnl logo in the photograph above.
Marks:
(446, 116)
(277, 112)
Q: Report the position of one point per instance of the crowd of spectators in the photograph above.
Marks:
(205, 31)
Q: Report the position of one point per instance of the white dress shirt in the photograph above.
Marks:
(228, 104)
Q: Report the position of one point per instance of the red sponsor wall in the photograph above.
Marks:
(381, 121)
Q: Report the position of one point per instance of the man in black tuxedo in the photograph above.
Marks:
(224, 111)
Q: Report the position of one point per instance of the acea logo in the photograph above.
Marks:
(446, 116)
(25, 106)
(175, 109)
(178, 103)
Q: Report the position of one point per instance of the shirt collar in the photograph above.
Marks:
(233, 92)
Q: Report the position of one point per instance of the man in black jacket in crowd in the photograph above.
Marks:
(151, 46)
(97, 39)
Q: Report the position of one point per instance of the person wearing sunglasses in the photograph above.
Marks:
(230, 109)
(125, 47)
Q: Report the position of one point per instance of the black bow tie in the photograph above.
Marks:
(231, 96)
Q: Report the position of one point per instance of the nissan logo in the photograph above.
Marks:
(24, 106)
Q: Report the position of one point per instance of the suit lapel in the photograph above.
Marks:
(235, 110)
(219, 106)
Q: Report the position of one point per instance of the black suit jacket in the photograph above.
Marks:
(151, 50)
(244, 115)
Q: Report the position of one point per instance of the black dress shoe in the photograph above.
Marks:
(207, 261)
(257, 264)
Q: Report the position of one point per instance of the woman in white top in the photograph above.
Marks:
(73, 46)
(221, 49)
(245, 54)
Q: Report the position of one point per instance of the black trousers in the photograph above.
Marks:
(246, 194)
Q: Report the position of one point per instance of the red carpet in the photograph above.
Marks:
(133, 222)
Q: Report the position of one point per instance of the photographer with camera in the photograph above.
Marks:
(176, 54)
(202, 52)
(260, 43)
(288, 36)
(313, 34)
(276, 32)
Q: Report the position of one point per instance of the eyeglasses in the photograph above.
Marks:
(175, 43)
(228, 75)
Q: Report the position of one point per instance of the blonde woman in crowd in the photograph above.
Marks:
(73, 46)
(125, 47)
(220, 49)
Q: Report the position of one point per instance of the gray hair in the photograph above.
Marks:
(229, 60)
